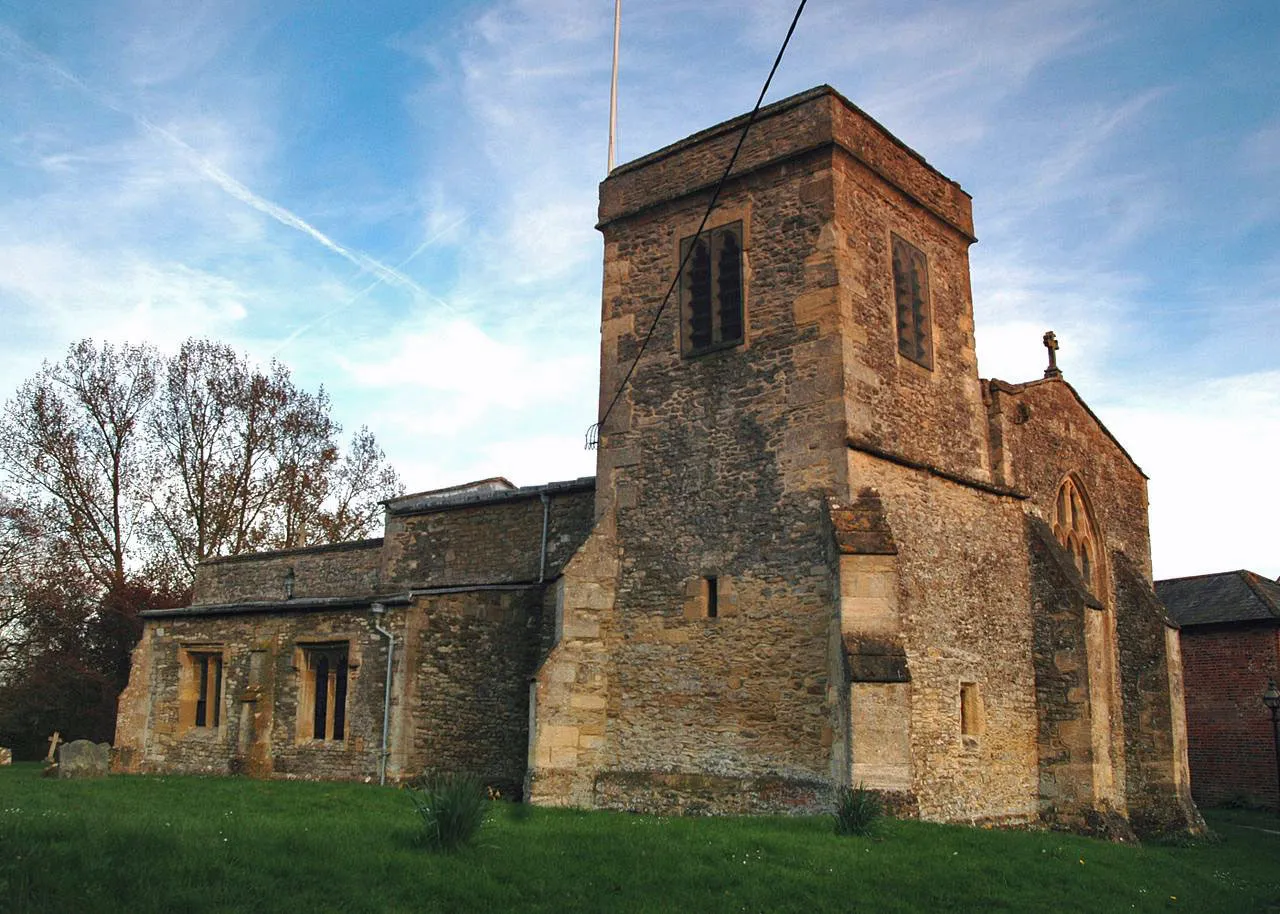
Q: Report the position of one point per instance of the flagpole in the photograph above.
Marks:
(613, 86)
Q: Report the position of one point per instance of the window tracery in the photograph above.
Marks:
(1074, 529)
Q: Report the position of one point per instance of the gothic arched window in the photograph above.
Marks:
(1074, 528)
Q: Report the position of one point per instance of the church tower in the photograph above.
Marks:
(812, 564)
(824, 307)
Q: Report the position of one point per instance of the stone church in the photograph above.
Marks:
(819, 549)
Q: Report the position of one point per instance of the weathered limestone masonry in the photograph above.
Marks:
(819, 550)
(462, 575)
(1120, 665)
(819, 562)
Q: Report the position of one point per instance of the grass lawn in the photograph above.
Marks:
(178, 844)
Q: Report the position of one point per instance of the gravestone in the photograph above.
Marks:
(83, 759)
(6, 756)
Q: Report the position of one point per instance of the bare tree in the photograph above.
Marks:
(149, 466)
(358, 486)
(119, 473)
(74, 435)
(196, 425)
(249, 460)
(19, 542)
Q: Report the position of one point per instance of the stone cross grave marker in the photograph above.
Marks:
(53, 747)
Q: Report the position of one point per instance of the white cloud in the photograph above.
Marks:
(1205, 447)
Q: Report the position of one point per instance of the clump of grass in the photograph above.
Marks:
(857, 810)
(452, 808)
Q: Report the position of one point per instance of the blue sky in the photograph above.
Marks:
(398, 199)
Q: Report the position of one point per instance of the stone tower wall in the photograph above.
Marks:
(723, 466)
(960, 613)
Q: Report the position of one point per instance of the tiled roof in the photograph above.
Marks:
(1229, 596)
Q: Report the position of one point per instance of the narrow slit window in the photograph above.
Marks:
(911, 303)
(711, 290)
(712, 586)
(971, 723)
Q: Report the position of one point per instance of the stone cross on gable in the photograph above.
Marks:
(53, 747)
(1051, 343)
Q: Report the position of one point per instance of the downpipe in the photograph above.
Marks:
(379, 611)
(546, 524)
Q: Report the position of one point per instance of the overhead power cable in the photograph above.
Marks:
(593, 433)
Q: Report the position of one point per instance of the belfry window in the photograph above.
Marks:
(1074, 529)
(322, 711)
(911, 303)
(711, 290)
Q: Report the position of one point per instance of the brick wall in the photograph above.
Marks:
(1226, 668)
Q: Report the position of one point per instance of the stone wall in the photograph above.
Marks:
(1042, 431)
(722, 466)
(488, 543)
(574, 696)
(1060, 603)
(1229, 734)
(1157, 776)
(470, 660)
(962, 598)
(459, 691)
(318, 571)
(260, 731)
(933, 416)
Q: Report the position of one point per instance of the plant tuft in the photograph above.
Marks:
(452, 808)
(857, 810)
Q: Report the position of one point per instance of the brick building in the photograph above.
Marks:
(1230, 649)
(818, 550)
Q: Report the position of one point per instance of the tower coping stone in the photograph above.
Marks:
(818, 119)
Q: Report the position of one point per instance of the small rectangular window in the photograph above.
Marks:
(322, 711)
(971, 722)
(711, 290)
(200, 688)
(711, 596)
(911, 303)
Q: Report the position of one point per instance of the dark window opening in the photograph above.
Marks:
(320, 717)
(208, 668)
(326, 690)
(713, 597)
(711, 290)
(911, 303)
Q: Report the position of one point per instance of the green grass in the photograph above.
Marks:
(211, 844)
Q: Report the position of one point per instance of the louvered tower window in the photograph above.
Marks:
(711, 290)
(911, 303)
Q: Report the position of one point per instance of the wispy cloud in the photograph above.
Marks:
(12, 45)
